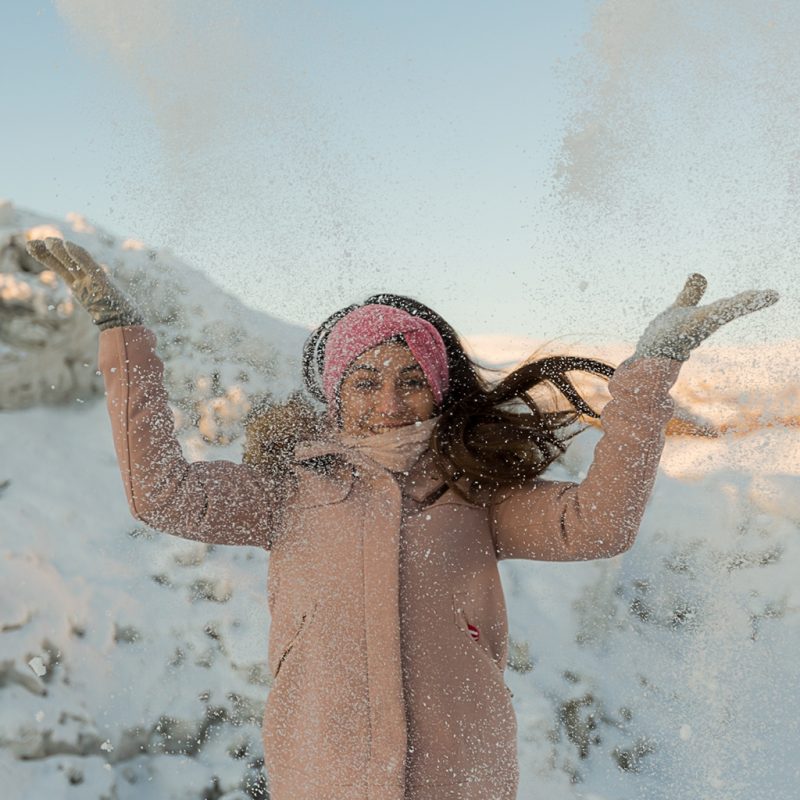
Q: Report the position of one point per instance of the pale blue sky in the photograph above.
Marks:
(307, 154)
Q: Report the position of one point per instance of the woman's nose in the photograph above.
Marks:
(389, 401)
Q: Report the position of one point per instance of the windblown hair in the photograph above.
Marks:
(488, 437)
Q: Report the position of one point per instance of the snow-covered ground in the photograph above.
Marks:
(132, 663)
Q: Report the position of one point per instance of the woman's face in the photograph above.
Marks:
(384, 388)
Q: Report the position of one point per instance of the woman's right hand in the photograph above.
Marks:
(88, 282)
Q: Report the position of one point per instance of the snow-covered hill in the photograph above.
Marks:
(132, 663)
(218, 352)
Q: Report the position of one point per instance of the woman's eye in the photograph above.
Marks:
(365, 384)
(415, 383)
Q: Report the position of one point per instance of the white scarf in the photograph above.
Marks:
(396, 449)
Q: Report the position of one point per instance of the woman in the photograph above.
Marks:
(388, 637)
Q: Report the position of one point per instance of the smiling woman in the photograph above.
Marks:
(389, 638)
(383, 389)
(393, 361)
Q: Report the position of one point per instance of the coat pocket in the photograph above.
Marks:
(467, 622)
(294, 634)
(469, 625)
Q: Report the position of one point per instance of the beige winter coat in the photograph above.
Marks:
(388, 638)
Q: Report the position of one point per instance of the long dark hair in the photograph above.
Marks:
(481, 442)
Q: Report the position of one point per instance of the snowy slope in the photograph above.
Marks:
(132, 663)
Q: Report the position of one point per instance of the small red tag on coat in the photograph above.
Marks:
(474, 632)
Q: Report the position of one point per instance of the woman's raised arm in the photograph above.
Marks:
(219, 502)
(600, 517)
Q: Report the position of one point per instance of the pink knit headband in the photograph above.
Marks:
(368, 326)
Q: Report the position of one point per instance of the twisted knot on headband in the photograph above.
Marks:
(368, 326)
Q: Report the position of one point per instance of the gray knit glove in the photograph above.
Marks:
(674, 333)
(88, 282)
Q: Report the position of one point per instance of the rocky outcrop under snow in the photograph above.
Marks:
(218, 353)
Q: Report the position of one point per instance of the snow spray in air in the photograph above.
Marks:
(189, 61)
(247, 181)
(680, 153)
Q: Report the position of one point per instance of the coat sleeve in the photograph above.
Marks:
(219, 502)
(599, 517)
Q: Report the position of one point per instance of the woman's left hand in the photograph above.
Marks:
(674, 333)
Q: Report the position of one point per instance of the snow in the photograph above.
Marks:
(133, 664)
(38, 667)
